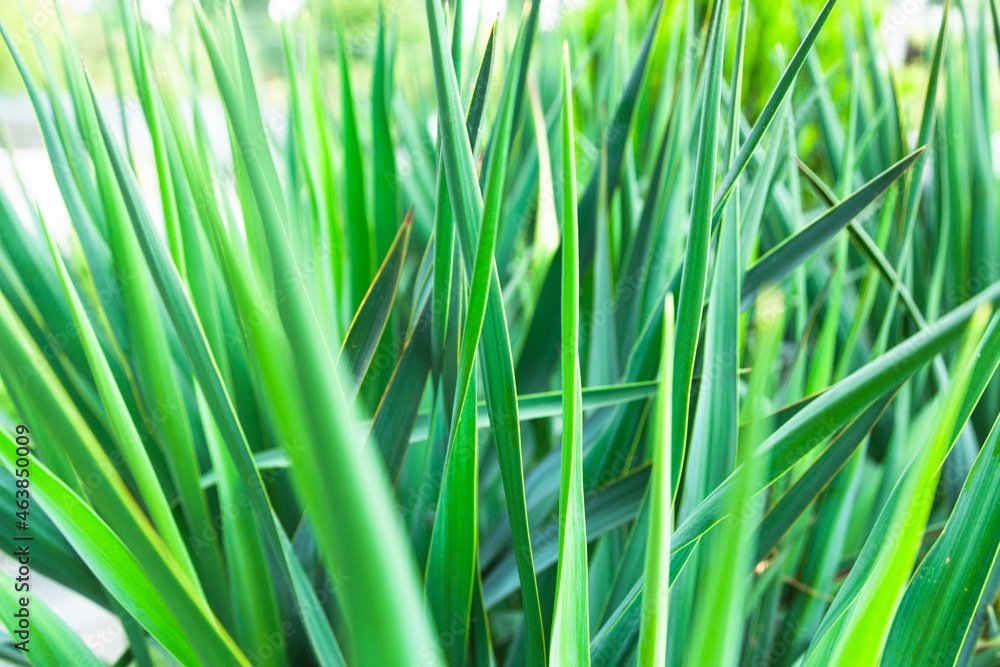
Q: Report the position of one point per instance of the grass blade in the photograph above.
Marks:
(957, 569)
(782, 260)
(656, 594)
(157, 602)
(501, 393)
(694, 275)
(369, 322)
(53, 642)
(859, 618)
(570, 622)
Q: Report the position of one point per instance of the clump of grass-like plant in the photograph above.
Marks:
(556, 354)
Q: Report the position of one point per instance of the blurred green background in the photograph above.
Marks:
(905, 24)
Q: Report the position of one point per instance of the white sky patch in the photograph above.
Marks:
(914, 21)
(80, 6)
(283, 11)
(480, 13)
(432, 126)
(996, 152)
(157, 14)
(550, 13)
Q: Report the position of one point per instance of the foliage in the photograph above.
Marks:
(564, 357)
